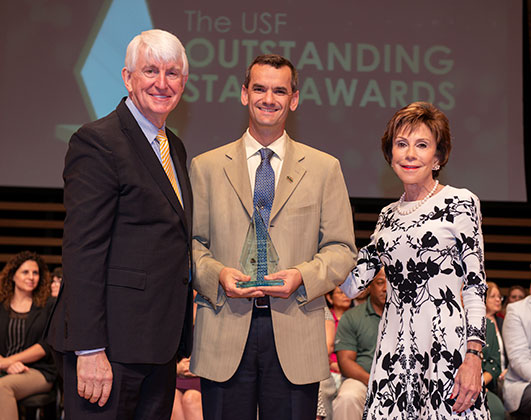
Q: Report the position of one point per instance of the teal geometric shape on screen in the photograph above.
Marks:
(101, 70)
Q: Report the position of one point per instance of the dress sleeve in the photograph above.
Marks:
(367, 266)
(469, 240)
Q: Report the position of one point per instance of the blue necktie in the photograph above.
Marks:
(264, 192)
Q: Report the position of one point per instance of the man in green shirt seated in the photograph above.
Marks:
(355, 344)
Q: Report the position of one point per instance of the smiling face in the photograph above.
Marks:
(269, 98)
(493, 303)
(414, 155)
(26, 278)
(154, 87)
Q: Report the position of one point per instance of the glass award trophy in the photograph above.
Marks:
(249, 259)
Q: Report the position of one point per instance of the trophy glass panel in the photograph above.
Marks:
(249, 257)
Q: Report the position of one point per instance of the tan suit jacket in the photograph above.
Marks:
(311, 228)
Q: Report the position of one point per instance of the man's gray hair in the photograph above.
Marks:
(159, 45)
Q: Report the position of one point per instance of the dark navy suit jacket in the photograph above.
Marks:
(126, 246)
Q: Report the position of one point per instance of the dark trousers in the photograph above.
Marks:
(259, 382)
(139, 392)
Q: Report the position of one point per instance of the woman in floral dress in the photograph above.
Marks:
(427, 363)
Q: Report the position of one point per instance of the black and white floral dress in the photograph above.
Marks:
(428, 255)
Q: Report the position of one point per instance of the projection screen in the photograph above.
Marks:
(359, 62)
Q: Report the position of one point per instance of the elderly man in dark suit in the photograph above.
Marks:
(124, 310)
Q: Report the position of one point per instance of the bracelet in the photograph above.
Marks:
(478, 353)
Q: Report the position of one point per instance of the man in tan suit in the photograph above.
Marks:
(266, 346)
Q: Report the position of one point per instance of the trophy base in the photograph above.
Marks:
(259, 283)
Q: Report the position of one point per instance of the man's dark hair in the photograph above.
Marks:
(276, 61)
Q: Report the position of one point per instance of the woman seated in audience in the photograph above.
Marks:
(57, 278)
(26, 363)
(338, 304)
(493, 306)
(514, 294)
(493, 353)
(187, 402)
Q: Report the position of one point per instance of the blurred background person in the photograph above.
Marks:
(26, 362)
(514, 294)
(356, 338)
(187, 402)
(57, 278)
(517, 383)
(493, 353)
(338, 303)
(327, 387)
(493, 305)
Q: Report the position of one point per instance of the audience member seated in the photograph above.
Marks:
(57, 278)
(355, 344)
(492, 355)
(327, 387)
(187, 402)
(514, 294)
(517, 339)
(26, 362)
(493, 305)
(338, 304)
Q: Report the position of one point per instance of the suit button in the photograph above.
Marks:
(185, 280)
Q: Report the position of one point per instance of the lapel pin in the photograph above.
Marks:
(290, 179)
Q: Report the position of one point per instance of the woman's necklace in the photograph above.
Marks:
(411, 209)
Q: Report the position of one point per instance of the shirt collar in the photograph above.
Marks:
(252, 146)
(148, 128)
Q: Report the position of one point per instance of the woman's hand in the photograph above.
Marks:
(17, 367)
(467, 383)
(502, 375)
(183, 368)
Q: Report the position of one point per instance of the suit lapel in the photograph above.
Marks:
(290, 176)
(237, 172)
(145, 153)
(176, 150)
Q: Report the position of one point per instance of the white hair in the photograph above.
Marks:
(159, 45)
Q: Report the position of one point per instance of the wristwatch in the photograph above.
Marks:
(478, 353)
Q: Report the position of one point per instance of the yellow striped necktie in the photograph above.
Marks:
(166, 162)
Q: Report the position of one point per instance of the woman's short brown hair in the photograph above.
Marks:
(410, 117)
